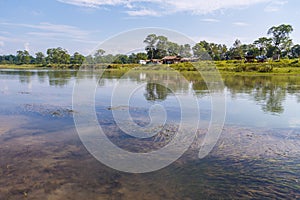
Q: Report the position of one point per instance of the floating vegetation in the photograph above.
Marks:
(48, 110)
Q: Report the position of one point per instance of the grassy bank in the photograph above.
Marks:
(12, 66)
(288, 66)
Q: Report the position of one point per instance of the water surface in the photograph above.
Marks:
(42, 157)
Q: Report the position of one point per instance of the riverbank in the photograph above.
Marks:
(285, 66)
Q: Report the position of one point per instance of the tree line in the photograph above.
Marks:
(277, 45)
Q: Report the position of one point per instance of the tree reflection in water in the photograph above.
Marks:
(156, 92)
(267, 91)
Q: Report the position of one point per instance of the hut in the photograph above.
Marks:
(171, 59)
(154, 61)
(189, 59)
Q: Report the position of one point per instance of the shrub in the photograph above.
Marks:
(264, 69)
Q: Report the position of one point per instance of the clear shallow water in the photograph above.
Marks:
(42, 157)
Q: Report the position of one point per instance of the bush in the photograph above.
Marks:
(264, 69)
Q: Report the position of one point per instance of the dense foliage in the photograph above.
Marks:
(278, 45)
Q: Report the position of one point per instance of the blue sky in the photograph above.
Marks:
(80, 25)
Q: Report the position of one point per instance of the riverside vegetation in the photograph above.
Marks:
(284, 66)
(276, 54)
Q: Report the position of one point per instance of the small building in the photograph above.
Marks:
(189, 60)
(171, 59)
(142, 62)
(154, 61)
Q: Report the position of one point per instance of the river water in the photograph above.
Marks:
(42, 157)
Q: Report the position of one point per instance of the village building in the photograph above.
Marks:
(171, 59)
(142, 62)
(154, 61)
(189, 60)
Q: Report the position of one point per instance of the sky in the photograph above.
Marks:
(80, 25)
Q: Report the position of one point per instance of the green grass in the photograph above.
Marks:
(284, 66)
(13, 66)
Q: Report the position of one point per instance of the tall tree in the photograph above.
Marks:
(77, 58)
(23, 57)
(151, 42)
(295, 51)
(99, 52)
(58, 56)
(162, 46)
(98, 56)
(121, 59)
(135, 58)
(236, 51)
(185, 51)
(200, 52)
(280, 37)
(263, 44)
(141, 56)
(173, 49)
(40, 58)
(89, 59)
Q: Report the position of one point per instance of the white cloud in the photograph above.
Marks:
(92, 3)
(240, 24)
(142, 12)
(1, 43)
(167, 6)
(275, 6)
(210, 20)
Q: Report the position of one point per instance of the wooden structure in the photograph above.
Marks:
(154, 61)
(171, 59)
(189, 60)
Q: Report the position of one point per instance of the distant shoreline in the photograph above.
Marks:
(286, 66)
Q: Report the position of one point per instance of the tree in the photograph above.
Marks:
(23, 57)
(236, 51)
(141, 56)
(173, 49)
(40, 58)
(90, 60)
(250, 50)
(200, 52)
(77, 58)
(135, 58)
(295, 51)
(121, 59)
(215, 51)
(99, 54)
(8, 59)
(151, 42)
(263, 44)
(58, 56)
(280, 37)
(185, 51)
(162, 47)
